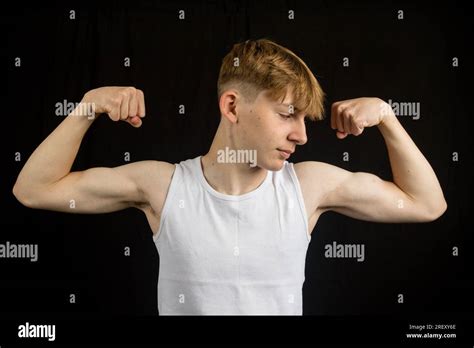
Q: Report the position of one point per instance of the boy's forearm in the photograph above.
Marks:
(54, 157)
(411, 170)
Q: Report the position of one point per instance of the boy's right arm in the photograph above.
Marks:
(45, 182)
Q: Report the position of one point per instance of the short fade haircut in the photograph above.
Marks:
(264, 65)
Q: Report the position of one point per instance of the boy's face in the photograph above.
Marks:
(269, 126)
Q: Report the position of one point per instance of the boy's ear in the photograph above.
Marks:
(228, 105)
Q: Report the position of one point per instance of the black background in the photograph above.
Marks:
(177, 62)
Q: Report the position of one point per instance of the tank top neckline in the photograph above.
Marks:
(217, 194)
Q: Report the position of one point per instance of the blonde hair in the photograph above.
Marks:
(256, 65)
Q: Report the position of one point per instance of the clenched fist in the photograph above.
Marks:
(120, 103)
(353, 115)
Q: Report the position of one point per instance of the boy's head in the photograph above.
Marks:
(263, 65)
(265, 92)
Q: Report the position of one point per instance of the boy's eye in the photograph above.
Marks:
(285, 116)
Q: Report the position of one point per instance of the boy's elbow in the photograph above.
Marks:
(22, 197)
(436, 213)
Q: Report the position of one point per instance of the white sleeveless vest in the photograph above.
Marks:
(232, 255)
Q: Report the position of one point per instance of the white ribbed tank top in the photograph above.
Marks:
(232, 255)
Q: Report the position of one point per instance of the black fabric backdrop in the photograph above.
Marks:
(177, 62)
